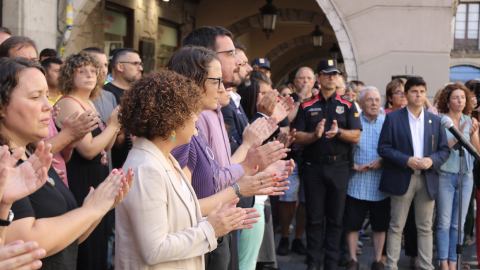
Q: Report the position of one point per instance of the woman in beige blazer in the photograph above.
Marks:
(159, 225)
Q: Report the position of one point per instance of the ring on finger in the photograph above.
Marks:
(261, 182)
(243, 221)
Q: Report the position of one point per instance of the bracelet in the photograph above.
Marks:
(236, 187)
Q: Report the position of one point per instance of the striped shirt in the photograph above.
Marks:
(364, 185)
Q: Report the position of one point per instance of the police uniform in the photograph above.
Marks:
(326, 172)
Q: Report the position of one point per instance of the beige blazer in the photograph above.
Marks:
(157, 226)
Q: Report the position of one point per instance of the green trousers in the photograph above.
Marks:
(250, 242)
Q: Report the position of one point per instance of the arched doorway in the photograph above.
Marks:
(464, 73)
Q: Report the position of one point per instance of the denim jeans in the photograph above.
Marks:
(447, 212)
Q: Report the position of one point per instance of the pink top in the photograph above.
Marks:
(58, 156)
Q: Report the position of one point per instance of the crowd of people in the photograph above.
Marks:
(193, 167)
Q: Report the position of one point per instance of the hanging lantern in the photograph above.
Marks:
(317, 37)
(335, 51)
(269, 17)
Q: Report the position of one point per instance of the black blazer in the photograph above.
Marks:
(235, 123)
(395, 147)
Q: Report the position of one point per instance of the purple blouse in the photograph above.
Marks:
(207, 177)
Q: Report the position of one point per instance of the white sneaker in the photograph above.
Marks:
(360, 244)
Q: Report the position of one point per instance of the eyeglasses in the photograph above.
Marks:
(243, 63)
(84, 71)
(371, 100)
(400, 93)
(220, 81)
(333, 74)
(234, 53)
(136, 64)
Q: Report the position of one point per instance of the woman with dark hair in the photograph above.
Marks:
(395, 95)
(79, 83)
(259, 85)
(50, 216)
(211, 182)
(454, 102)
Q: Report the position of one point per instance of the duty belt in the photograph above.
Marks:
(325, 159)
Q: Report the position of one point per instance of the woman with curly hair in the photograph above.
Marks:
(51, 215)
(160, 225)
(454, 102)
(88, 166)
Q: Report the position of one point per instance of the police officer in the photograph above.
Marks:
(327, 124)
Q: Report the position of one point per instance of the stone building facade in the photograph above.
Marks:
(377, 38)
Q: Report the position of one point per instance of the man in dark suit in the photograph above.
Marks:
(235, 118)
(413, 145)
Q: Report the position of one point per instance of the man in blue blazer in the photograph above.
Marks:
(413, 145)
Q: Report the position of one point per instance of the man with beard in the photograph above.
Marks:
(233, 114)
(127, 67)
(52, 70)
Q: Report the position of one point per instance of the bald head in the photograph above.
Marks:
(305, 78)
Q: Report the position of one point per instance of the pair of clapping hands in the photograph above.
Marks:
(23, 180)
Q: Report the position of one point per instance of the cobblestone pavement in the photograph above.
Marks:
(293, 261)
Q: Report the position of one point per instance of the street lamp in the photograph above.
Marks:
(334, 51)
(317, 37)
(269, 17)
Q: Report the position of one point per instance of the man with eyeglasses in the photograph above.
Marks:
(327, 124)
(363, 195)
(233, 113)
(127, 67)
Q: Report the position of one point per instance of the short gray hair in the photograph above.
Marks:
(298, 71)
(350, 86)
(365, 89)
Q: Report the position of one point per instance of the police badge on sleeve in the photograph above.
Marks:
(340, 109)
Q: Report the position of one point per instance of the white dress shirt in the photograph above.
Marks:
(236, 98)
(417, 129)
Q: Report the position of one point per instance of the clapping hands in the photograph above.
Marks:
(23, 180)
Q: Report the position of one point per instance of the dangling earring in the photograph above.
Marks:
(173, 136)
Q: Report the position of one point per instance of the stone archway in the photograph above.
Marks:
(83, 11)
(298, 62)
(330, 18)
(285, 14)
(342, 36)
(293, 43)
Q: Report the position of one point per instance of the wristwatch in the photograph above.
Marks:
(338, 133)
(237, 190)
(7, 222)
